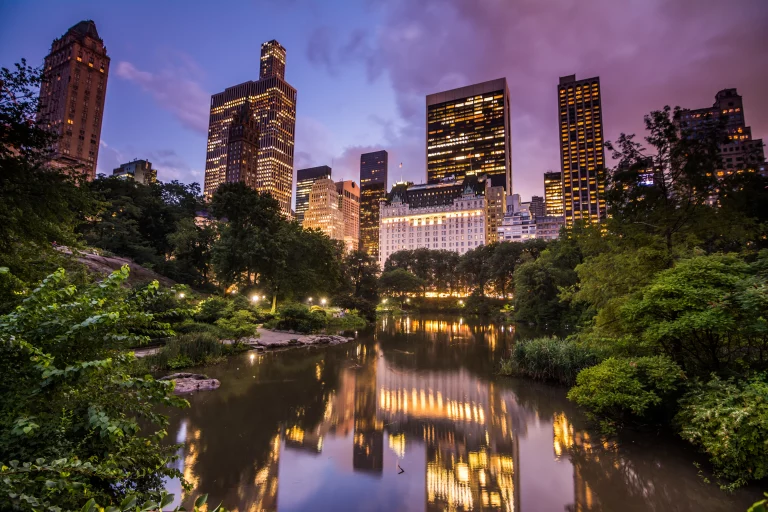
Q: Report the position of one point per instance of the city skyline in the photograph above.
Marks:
(371, 96)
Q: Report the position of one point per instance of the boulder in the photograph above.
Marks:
(189, 382)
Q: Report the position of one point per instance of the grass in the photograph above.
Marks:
(194, 349)
(549, 359)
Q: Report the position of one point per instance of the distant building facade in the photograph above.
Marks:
(324, 212)
(451, 215)
(373, 189)
(553, 193)
(524, 225)
(741, 152)
(273, 106)
(468, 133)
(582, 155)
(304, 180)
(497, 208)
(548, 227)
(537, 206)
(140, 171)
(349, 204)
(242, 148)
(72, 96)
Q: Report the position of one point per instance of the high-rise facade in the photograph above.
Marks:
(273, 106)
(349, 204)
(537, 206)
(72, 96)
(140, 171)
(582, 155)
(741, 152)
(324, 212)
(497, 208)
(468, 133)
(304, 180)
(242, 148)
(553, 193)
(373, 190)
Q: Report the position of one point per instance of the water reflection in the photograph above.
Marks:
(411, 418)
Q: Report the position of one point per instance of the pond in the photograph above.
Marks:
(411, 417)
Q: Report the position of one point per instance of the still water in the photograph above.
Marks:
(410, 418)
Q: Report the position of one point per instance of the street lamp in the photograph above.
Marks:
(309, 300)
(408, 301)
(255, 298)
(323, 301)
(461, 303)
(181, 295)
(384, 301)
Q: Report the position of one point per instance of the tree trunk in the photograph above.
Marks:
(274, 302)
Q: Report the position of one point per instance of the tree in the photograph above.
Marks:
(475, 267)
(707, 313)
(505, 259)
(400, 282)
(39, 205)
(191, 246)
(70, 408)
(361, 272)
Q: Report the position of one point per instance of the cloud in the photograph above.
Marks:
(169, 164)
(174, 89)
(647, 54)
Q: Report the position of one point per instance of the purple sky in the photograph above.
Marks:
(363, 67)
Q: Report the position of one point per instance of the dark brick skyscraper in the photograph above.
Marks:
(72, 96)
(373, 188)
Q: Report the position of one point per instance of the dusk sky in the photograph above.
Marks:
(362, 68)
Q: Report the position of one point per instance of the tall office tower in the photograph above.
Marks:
(323, 212)
(72, 96)
(537, 206)
(140, 171)
(741, 152)
(497, 208)
(304, 180)
(513, 203)
(242, 148)
(581, 149)
(273, 106)
(553, 193)
(373, 189)
(349, 204)
(468, 132)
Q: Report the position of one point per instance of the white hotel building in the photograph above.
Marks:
(451, 215)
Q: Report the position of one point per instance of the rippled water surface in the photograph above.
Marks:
(412, 417)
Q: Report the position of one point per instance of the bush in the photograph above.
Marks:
(626, 390)
(195, 349)
(297, 317)
(242, 323)
(190, 326)
(365, 308)
(351, 321)
(211, 309)
(729, 421)
(549, 359)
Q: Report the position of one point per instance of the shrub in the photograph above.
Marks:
(211, 309)
(626, 390)
(351, 321)
(297, 317)
(549, 359)
(729, 421)
(240, 324)
(190, 326)
(195, 349)
(365, 308)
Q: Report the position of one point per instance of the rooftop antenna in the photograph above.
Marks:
(401, 171)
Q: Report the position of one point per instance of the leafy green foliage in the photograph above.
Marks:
(549, 359)
(193, 349)
(708, 313)
(400, 282)
(728, 420)
(70, 407)
(299, 318)
(619, 391)
(211, 309)
(240, 324)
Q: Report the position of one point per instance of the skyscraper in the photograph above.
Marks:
(324, 212)
(741, 152)
(72, 96)
(581, 149)
(553, 193)
(242, 148)
(373, 189)
(304, 180)
(468, 132)
(273, 106)
(349, 204)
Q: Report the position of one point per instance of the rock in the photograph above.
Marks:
(188, 382)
